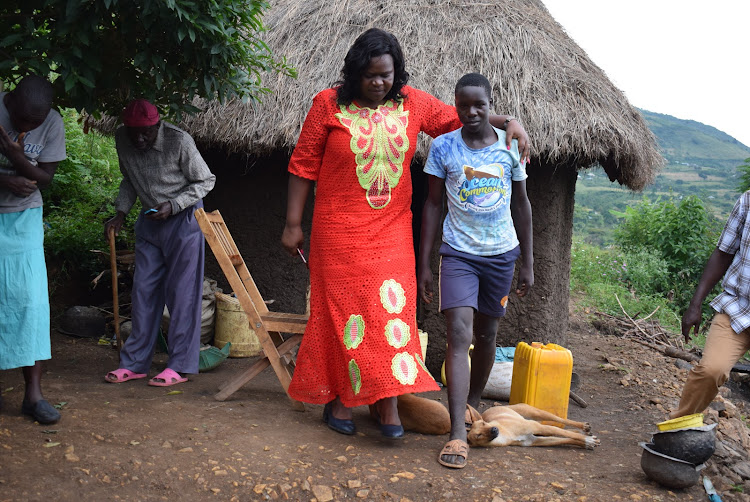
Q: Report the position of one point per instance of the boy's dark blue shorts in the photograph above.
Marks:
(480, 282)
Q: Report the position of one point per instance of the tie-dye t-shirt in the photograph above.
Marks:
(478, 184)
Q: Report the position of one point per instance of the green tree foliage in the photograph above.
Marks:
(744, 171)
(103, 53)
(655, 267)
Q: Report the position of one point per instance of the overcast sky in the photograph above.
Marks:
(688, 58)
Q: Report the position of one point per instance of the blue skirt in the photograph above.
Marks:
(24, 296)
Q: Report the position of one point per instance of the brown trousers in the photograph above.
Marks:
(723, 349)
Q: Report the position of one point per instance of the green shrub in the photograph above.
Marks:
(591, 264)
(744, 172)
(605, 297)
(81, 198)
(682, 234)
(598, 277)
(661, 250)
(646, 272)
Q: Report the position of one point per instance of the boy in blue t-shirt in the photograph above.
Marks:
(484, 183)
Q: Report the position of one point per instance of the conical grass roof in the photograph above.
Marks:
(574, 114)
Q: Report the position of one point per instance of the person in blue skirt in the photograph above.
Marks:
(32, 143)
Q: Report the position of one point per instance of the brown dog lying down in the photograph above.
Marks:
(514, 424)
(422, 415)
(517, 425)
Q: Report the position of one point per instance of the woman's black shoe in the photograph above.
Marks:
(387, 430)
(339, 425)
(392, 431)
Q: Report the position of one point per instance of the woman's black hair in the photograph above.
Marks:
(371, 44)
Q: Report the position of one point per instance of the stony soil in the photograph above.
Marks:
(135, 442)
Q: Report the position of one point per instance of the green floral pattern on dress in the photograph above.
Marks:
(379, 143)
(354, 331)
(355, 376)
(418, 357)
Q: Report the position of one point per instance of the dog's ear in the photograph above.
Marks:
(474, 414)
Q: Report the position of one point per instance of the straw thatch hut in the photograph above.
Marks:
(575, 116)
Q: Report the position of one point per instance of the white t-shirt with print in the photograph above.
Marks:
(478, 184)
(44, 144)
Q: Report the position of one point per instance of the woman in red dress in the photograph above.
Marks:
(361, 345)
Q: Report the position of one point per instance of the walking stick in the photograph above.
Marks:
(115, 295)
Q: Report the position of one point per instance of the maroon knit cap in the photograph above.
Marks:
(140, 113)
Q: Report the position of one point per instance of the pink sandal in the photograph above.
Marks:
(122, 375)
(166, 378)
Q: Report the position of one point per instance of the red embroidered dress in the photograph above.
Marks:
(361, 341)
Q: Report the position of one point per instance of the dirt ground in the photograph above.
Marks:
(134, 442)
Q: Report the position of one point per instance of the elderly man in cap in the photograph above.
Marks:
(161, 165)
(32, 143)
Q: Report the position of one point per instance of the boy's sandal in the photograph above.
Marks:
(457, 448)
(122, 375)
(166, 378)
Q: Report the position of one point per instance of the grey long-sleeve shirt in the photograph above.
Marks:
(171, 170)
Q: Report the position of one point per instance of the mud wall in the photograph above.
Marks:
(251, 194)
(542, 316)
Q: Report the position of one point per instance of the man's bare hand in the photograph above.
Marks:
(114, 223)
(691, 319)
(424, 285)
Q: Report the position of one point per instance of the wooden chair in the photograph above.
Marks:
(267, 325)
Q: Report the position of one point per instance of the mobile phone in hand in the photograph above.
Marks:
(150, 211)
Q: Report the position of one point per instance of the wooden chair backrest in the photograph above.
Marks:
(229, 258)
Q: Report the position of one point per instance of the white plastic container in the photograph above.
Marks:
(499, 381)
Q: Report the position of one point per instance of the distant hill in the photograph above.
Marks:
(690, 142)
(701, 160)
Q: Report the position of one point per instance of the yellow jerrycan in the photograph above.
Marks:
(541, 377)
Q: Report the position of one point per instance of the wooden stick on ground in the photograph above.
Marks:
(115, 294)
(630, 318)
(661, 342)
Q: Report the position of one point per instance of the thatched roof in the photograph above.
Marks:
(575, 116)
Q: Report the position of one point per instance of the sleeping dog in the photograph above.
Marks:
(514, 424)
(518, 425)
